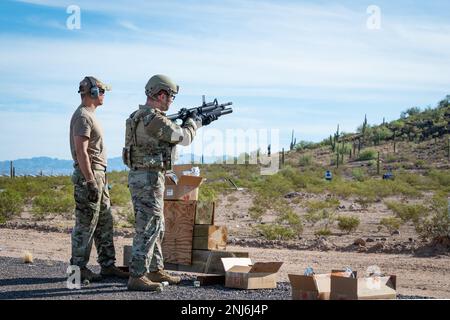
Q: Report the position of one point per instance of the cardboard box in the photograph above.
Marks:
(314, 287)
(241, 273)
(368, 288)
(184, 187)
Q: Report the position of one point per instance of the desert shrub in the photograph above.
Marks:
(391, 223)
(358, 174)
(364, 202)
(313, 217)
(127, 214)
(343, 188)
(274, 186)
(118, 177)
(368, 154)
(323, 232)
(348, 224)
(316, 205)
(305, 160)
(52, 202)
(302, 145)
(420, 163)
(324, 218)
(290, 218)
(390, 158)
(277, 232)
(372, 163)
(407, 212)
(256, 212)
(120, 195)
(441, 179)
(207, 192)
(11, 203)
(436, 223)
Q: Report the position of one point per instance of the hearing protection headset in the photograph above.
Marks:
(94, 90)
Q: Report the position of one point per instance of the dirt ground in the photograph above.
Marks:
(426, 274)
(416, 276)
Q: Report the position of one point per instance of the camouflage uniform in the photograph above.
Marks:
(93, 222)
(149, 150)
(93, 219)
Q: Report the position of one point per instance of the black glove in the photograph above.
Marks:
(93, 192)
(207, 119)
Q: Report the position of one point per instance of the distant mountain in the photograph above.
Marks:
(54, 166)
(38, 165)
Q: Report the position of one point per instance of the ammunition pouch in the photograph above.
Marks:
(126, 156)
(138, 158)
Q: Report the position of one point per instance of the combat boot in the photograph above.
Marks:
(143, 284)
(87, 274)
(161, 275)
(113, 271)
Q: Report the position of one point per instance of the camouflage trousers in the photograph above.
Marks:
(93, 222)
(147, 191)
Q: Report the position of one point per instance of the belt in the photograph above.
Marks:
(146, 168)
(94, 166)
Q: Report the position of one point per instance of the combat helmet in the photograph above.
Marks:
(160, 82)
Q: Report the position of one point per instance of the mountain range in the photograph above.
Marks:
(53, 166)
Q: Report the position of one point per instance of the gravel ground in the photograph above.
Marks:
(46, 279)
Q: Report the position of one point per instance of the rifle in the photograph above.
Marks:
(206, 109)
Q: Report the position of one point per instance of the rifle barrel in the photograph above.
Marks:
(210, 107)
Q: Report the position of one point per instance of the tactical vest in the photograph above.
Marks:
(144, 151)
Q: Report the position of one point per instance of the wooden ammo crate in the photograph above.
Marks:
(209, 237)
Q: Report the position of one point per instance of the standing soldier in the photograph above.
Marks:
(149, 151)
(93, 210)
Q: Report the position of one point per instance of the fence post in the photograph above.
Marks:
(448, 149)
(282, 157)
(378, 164)
(395, 133)
(11, 169)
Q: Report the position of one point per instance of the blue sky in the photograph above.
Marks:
(302, 65)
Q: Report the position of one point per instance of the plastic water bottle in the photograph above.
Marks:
(196, 171)
(309, 271)
(349, 272)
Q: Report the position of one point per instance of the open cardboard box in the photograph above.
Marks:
(364, 288)
(241, 273)
(183, 187)
(314, 287)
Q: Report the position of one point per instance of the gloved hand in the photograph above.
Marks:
(93, 191)
(208, 119)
